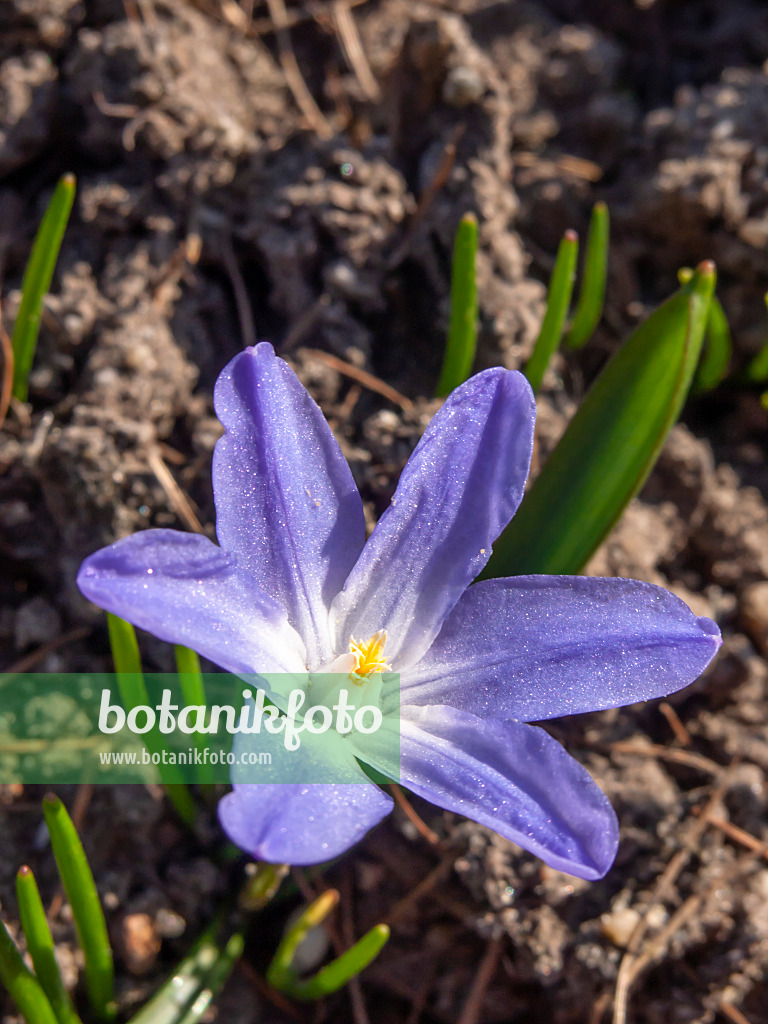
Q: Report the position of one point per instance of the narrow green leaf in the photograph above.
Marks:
(184, 997)
(713, 365)
(193, 691)
(757, 370)
(589, 308)
(281, 973)
(345, 967)
(21, 984)
(558, 303)
(80, 888)
(133, 690)
(37, 281)
(462, 335)
(125, 654)
(261, 886)
(175, 995)
(190, 676)
(187, 994)
(612, 442)
(34, 924)
(214, 980)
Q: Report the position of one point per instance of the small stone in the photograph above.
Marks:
(140, 942)
(754, 613)
(617, 925)
(36, 623)
(462, 86)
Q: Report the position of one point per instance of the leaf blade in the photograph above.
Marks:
(185, 996)
(611, 443)
(558, 302)
(462, 334)
(716, 357)
(37, 280)
(344, 968)
(589, 308)
(34, 924)
(91, 927)
(21, 984)
(133, 691)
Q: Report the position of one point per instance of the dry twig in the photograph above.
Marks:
(30, 660)
(242, 302)
(356, 998)
(636, 960)
(420, 825)
(437, 875)
(677, 727)
(362, 377)
(177, 499)
(733, 1013)
(276, 998)
(349, 38)
(485, 972)
(688, 758)
(292, 72)
(428, 196)
(739, 835)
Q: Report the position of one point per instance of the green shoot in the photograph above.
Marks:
(589, 308)
(558, 303)
(77, 878)
(612, 443)
(133, 690)
(23, 987)
(462, 336)
(37, 281)
(34, 924)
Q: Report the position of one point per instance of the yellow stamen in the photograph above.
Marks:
(370, 655)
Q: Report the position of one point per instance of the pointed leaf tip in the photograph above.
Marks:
(612, 442)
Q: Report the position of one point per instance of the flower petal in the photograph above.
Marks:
(536, 647)
(301, 824)
(286, 502)
(185, 590)
(514, 778)
(458, 491)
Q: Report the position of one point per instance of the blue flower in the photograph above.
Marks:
(293, 587)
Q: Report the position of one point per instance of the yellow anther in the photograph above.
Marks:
(369, 655)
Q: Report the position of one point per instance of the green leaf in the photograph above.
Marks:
(262, 885)
(589, 308)
(757, 370)
(611, 443)
(190, 676)
(187, 994)
(281, 973)
(345, 967)
(462, 335)
(80, 888)
(558, 303)
(22, 985)
(193, 691)
(713, 365)
(37, 281)
(34, 924)
(215, 979)
(125, 654)
(133, 691)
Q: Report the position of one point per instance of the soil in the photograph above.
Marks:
(212, 211)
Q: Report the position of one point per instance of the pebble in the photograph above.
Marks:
(617, 925)
(754, 613)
